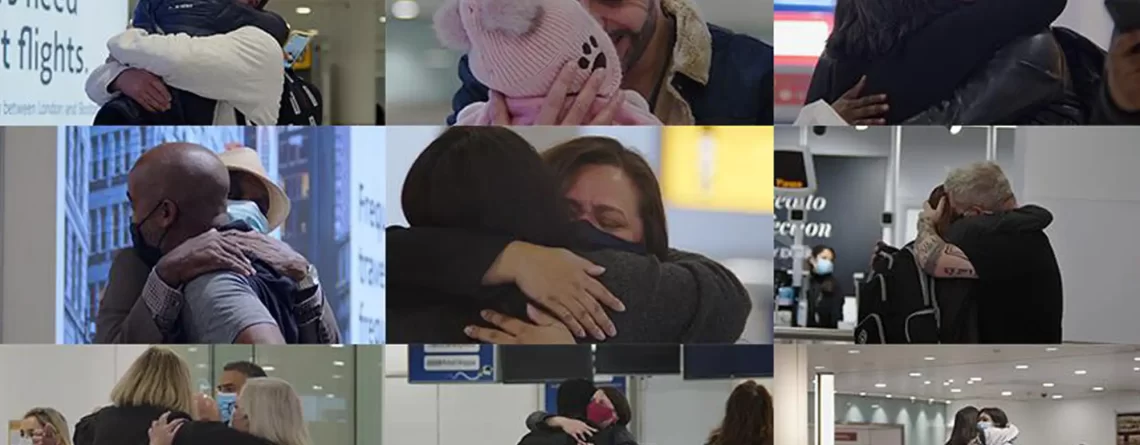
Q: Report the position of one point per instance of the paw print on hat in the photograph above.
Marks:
(591, 49)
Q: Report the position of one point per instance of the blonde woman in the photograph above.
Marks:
(157, 382)
(268, 412)
(45, 426)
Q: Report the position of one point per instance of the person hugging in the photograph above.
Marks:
(523, 49)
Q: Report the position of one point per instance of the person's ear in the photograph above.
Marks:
(169, 213)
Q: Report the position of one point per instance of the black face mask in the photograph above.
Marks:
(598, 239)
(149, 254)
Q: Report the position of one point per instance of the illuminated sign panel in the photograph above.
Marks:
(718, 168)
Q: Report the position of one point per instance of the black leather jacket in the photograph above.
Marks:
(1026, 82)
(1030, 81)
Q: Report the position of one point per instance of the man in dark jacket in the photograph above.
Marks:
(690, 72)
(1003, 246)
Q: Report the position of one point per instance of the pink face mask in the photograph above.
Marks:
(599, 413)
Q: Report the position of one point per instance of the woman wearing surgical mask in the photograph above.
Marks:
(996, 428)
(268, 412)
(823, 290)
(44, 426)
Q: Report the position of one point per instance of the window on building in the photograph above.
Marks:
(93, 228)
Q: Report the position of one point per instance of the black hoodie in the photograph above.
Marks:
(1018, 293)
(128, 425)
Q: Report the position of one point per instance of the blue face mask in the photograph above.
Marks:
(226, 402)
(824, 266)
(250, 213)
(984, 425)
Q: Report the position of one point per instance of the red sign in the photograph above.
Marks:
(801, 36)
(791, 88)
(846, 436)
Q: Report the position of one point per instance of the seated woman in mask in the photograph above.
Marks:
(492, 229)
(138, 307)
(950, 62)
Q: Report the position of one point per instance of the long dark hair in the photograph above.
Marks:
(965, 427)
(487, 179)
(567, 158)
(747, 417)
(867, 29)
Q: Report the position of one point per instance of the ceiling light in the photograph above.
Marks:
(945, 383)
(819, 368)
(916, 374)
(317, 388)
(1080, 372)
(928, 358)
(860, 127)
(1006, 393)
(852, 351)
(969, 382)
(268, 368)
(880, 385)
(1136, 359)
(890, 396)
(1048, 385)
(926, 382)
(911, 398)
(975, 379)
(304, 10)
(862, 394)
(336, 346)
(955, 390)
(1098, 388)
(1021, 367)
(330, 396)
(947, 402)
(955, 129)
(1051, 349)
(874, 406)
(338, 363)
(1136, 369)
(1058, 397)
(192, 349)
(950, 380)
(405, 9)
(383, 19)
(336, 376)
(930, 401)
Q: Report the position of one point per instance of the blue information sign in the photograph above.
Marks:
(551, 404)
(451, 363)
(804, 5)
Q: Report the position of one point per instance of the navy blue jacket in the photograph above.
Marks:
(739, 90)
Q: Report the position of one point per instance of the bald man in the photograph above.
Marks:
(178, 191)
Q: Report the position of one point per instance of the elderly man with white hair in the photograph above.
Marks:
(1003, 247)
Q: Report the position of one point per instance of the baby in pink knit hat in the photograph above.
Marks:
(518, 48)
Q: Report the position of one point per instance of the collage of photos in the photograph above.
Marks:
(569, 222)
